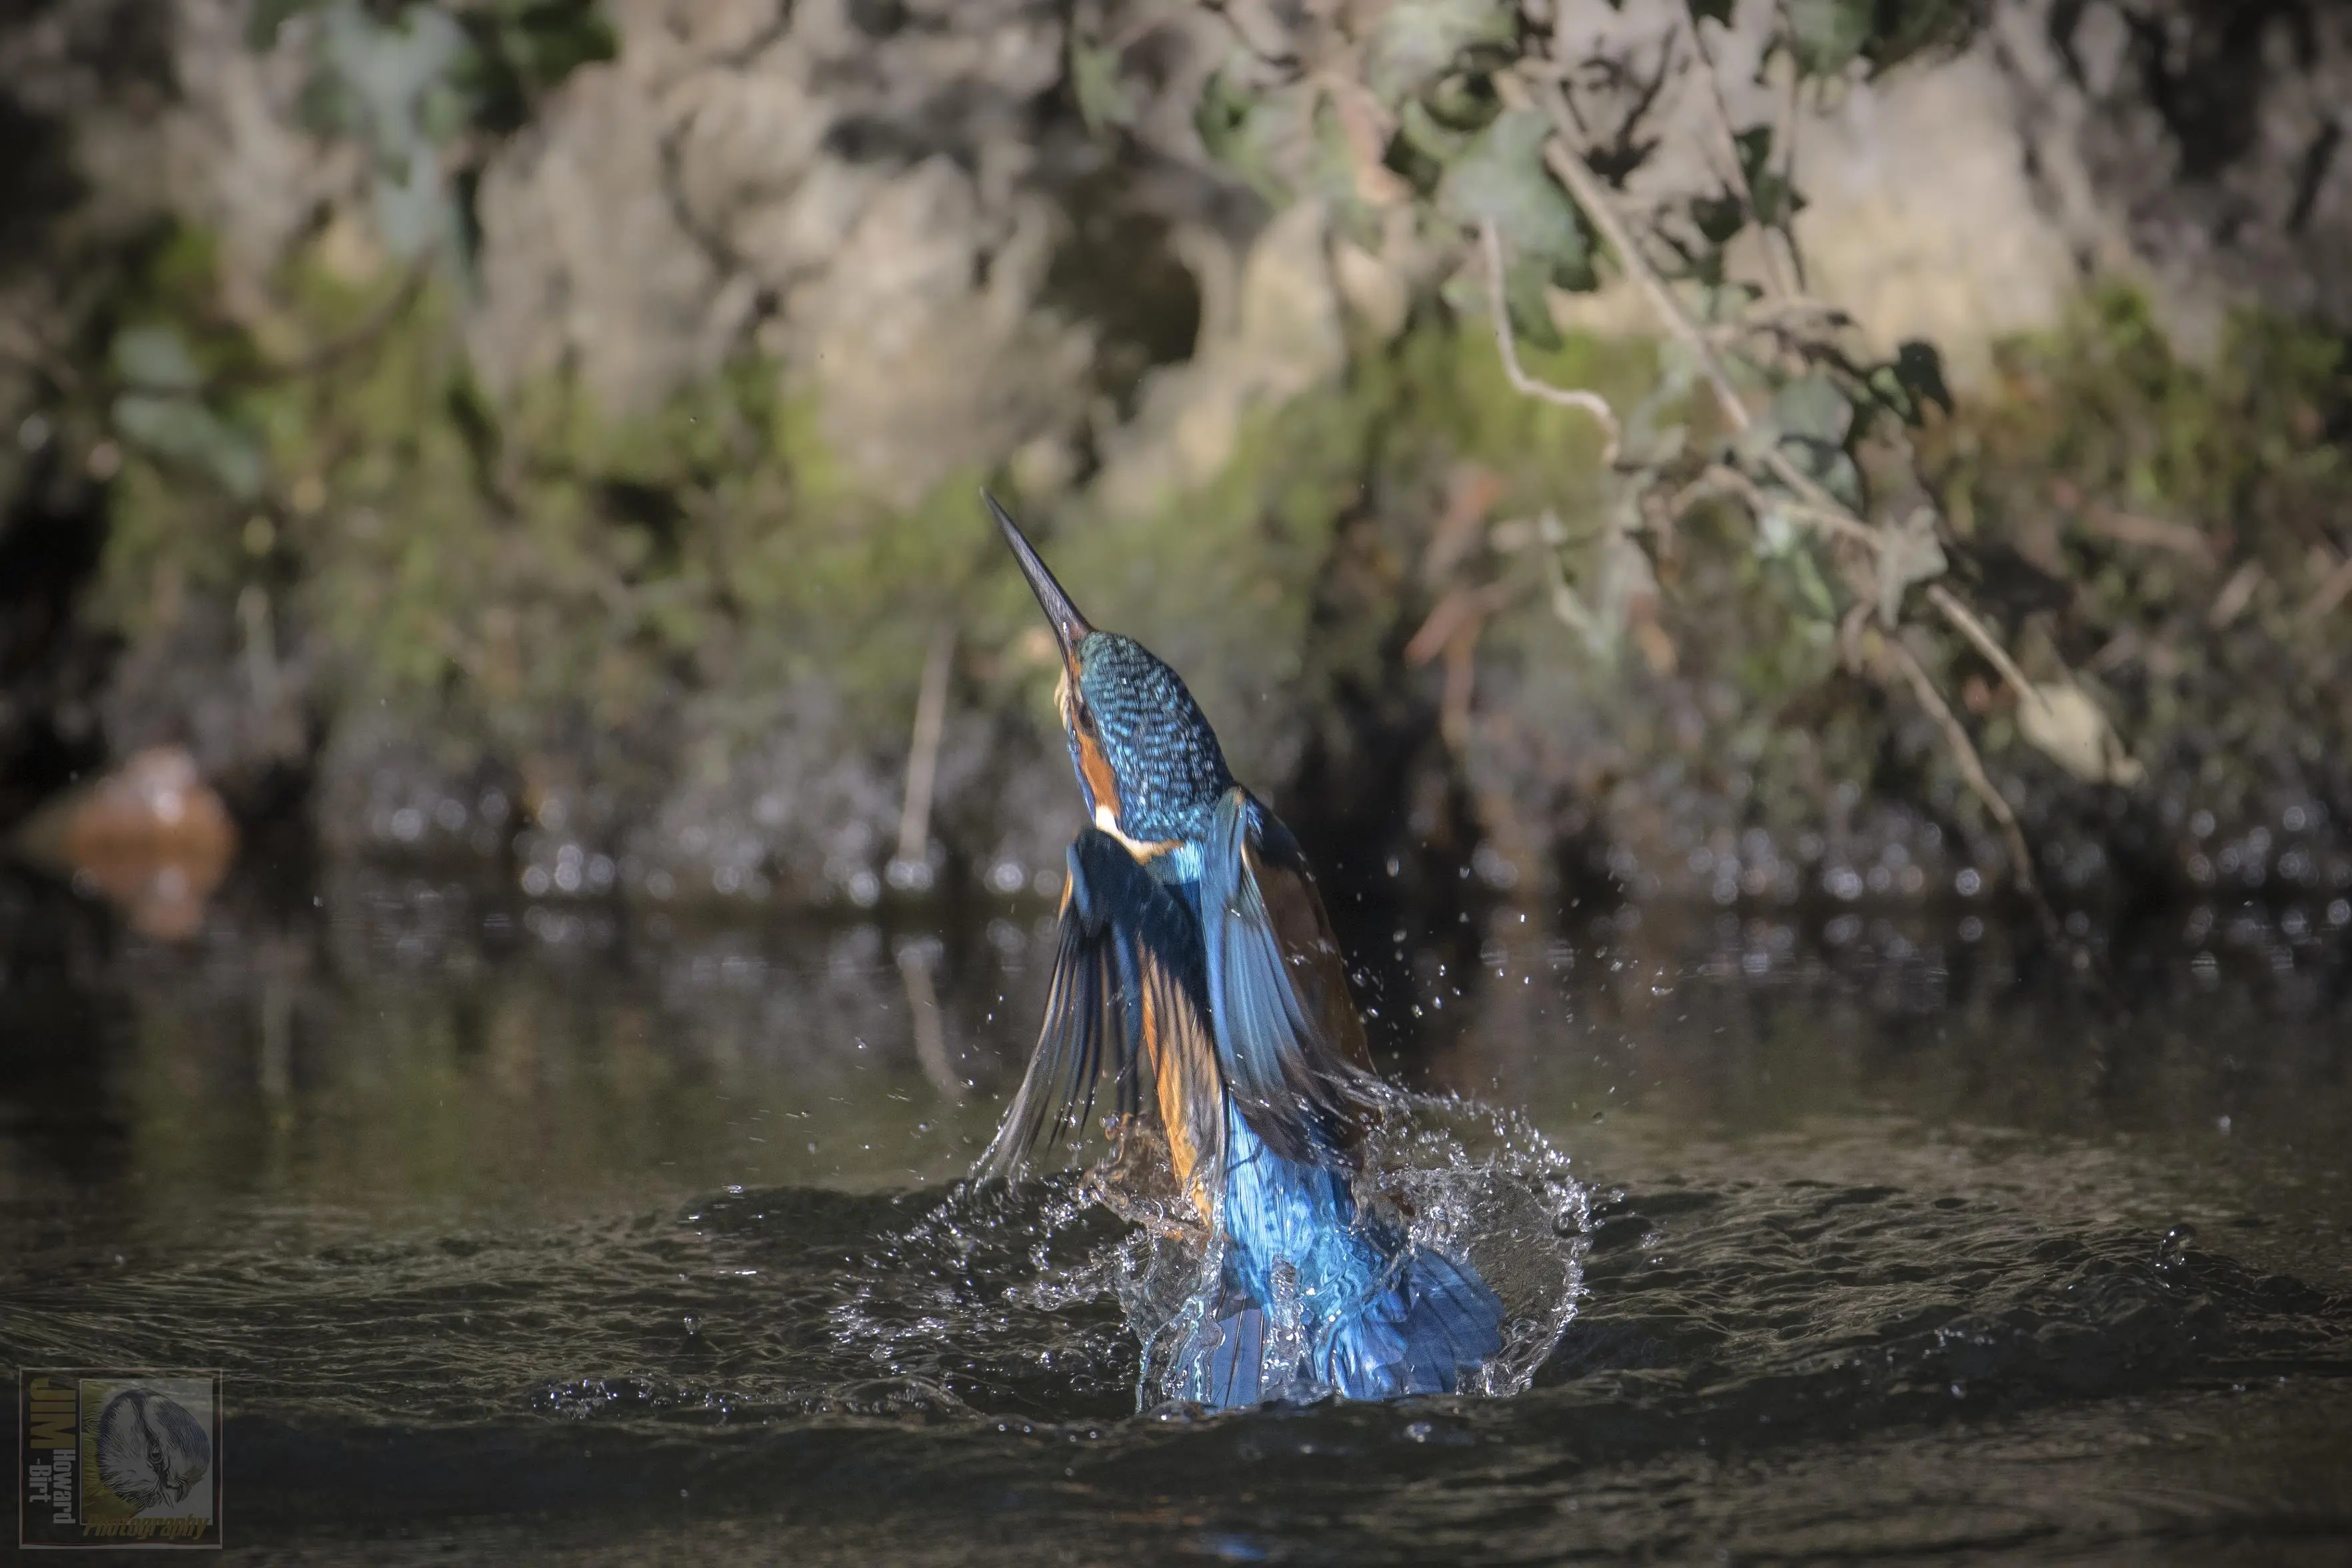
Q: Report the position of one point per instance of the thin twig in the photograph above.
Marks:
(2235, 595)
(923, 755)
(1592, 403)
(2330, 592)
(1833, 520)
(1964, 751)
(1815, 504)
(2154, 533)
(1965, 621)
(1593, 197)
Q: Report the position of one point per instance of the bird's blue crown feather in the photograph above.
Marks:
(1170, 770)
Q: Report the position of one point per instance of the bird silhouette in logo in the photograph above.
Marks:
(151, 1451)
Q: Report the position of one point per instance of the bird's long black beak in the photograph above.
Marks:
(1069, 626)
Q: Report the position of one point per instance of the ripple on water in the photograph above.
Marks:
(962, 1352)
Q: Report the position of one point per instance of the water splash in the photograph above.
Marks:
(1486, 1186)
(1454, 1178)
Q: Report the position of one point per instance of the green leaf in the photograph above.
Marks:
(1264, 138)
(262, 23)
(1777, 201)
(1417, 41)
(1810, 421)
(1842, 479)
(1463, 103)
(1286, 142)
(156, 358)
(1422, 131)
(1920, 369)
(1826, 36)
(1908, 382)
(1502, 178)
(1812, 408)
(522, 48)
(1788, 550)
(1523, 296)
(1575, 273)
(1902, 28)
(1220, 116)
(1717, 218)
(178, 427)
(1103, 102)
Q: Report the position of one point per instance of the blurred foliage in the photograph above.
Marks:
(520, 577)
(427, 85)
(1441, 71)
(510, 575)
(2158, 489)
(529, 577)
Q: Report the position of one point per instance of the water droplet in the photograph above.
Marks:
(2172, 1252)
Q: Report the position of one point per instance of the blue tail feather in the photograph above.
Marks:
(1429, 1333)
(1314, 1294)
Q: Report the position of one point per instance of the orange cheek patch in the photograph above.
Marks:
(1100, 779)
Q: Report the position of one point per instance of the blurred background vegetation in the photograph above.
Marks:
(544, 434)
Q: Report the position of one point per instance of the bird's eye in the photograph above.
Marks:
(1085, 718)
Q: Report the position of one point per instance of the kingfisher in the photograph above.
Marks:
(1196, 970)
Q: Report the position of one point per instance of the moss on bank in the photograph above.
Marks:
(700, 641)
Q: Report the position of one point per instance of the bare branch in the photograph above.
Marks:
(1598, 206)
(1814, 505)
(2330, 592)
(1592, 403)
(1965, 621)
(2235, 595)
(1593, 197)
(1972, 766)
(2152, 533)
(923, 754)
(1836, 521)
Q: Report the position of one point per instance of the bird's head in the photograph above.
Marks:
(1147, 761)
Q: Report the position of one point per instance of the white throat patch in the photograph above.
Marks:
(1108, 821)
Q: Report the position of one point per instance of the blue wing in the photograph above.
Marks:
(1286, 1031)
(1127, 998)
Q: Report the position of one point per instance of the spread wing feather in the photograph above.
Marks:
(1286, 1031)
(1126, 993)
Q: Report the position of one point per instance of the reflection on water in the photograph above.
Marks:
(545, 1228)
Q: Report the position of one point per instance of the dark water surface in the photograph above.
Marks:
(568, 1233)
